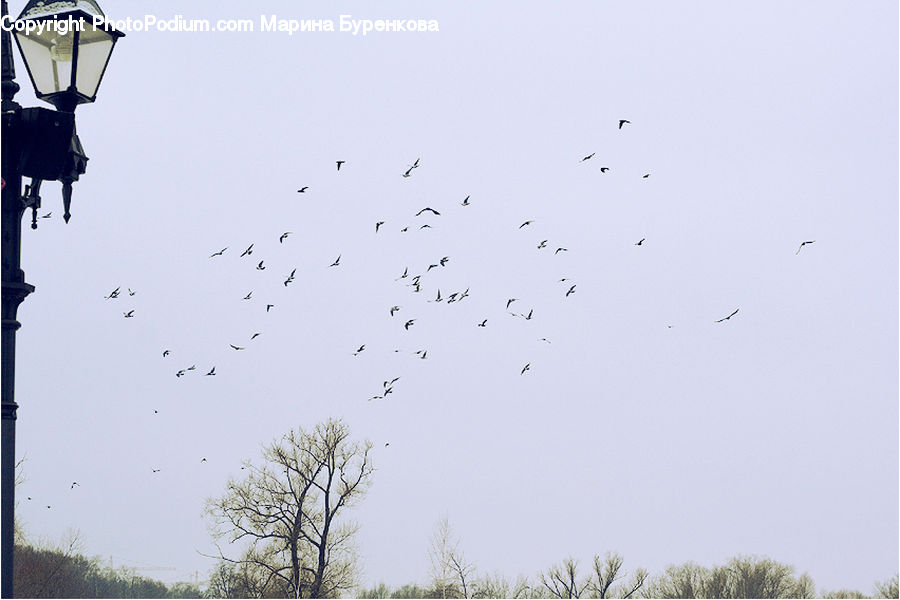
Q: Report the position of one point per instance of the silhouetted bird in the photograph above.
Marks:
(336, 262)
(428, 208)
(510, 301)
(558, 250)
(47, 216)
(394, 309)
(236, 347)
(465, 201)
(254, 336)
(74, 483)
(165, 353)
(339, 163)
(247, 297)
(483, 323)
(426, 226)
(249, 250)
(112, 294)
(408, 172)
(284, 236)
(604, 169)
(260, 266)
(269, 307)
(646, 175)
(571, 291)
(154, 470)
(525, 368)
(303, 189)
(729, 316)
(219, 253)
(377, 225)
(131, 292)
(622, 122)
(361, 348)
(405, 273)
(409, 324)
(640, 242)
(444, 261)
(525, 223)
(203, 460)
(543, 244)
(589, 156)
(129, 314)
(801, 246)
(212, 371)
(180, 373)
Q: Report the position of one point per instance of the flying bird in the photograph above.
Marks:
(428, 208)
(408, 172)
(212, 371)
(391, 382)
(530, 312)
(47, 216)
(203, 460)
(589, 156)
(430, 267)
(527, 367)
(166, 353)
(260, 266)
(405, 273)
(247, 297)
(130, 292)
(646, 175)
(604, 169)
(112, 294)
(283, 236)
(525, 223)
(236, 347)
(465, 201)
(74, 483)
(339, 163)
(361, 348)
(409, 324)
(336, 262)
(394, 309)
(543, 244)
(180, 373)
(558, 250)
(249, 250)
(154, 470)
(444, 261)
(571, 291)
(801, 246)
(192, 368)
(303, 189)
(510, 301)
(729, 316)
(483, 323)
(640, 242)
(290, 278)
(219, 253)
(269, 306)
(254, 336)
(425, 226)
(129, 314)
(377, 225)
(622, 122)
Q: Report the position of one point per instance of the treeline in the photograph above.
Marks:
(741, 577)
(57, 573)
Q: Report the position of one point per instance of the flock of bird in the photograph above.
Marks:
(413, 281)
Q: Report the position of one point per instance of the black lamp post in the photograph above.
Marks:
(65, 48)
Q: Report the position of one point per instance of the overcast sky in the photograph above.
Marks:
(642, 427)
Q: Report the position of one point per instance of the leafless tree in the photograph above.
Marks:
(562, 580)
(287, 511)
(607, 572)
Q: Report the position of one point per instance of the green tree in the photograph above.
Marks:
(287, 511)
(889, 588)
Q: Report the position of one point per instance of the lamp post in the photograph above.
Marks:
(65, 47)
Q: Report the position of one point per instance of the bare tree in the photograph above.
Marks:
(287, 509)
(607, 572)
(452, 575)
(888, 589)
(562, 580)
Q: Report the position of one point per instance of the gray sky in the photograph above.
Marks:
(761, 124)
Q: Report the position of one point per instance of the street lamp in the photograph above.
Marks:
(64, 54)
(65, 47)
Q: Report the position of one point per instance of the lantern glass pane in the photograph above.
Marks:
(94, 49)
(48, 56)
